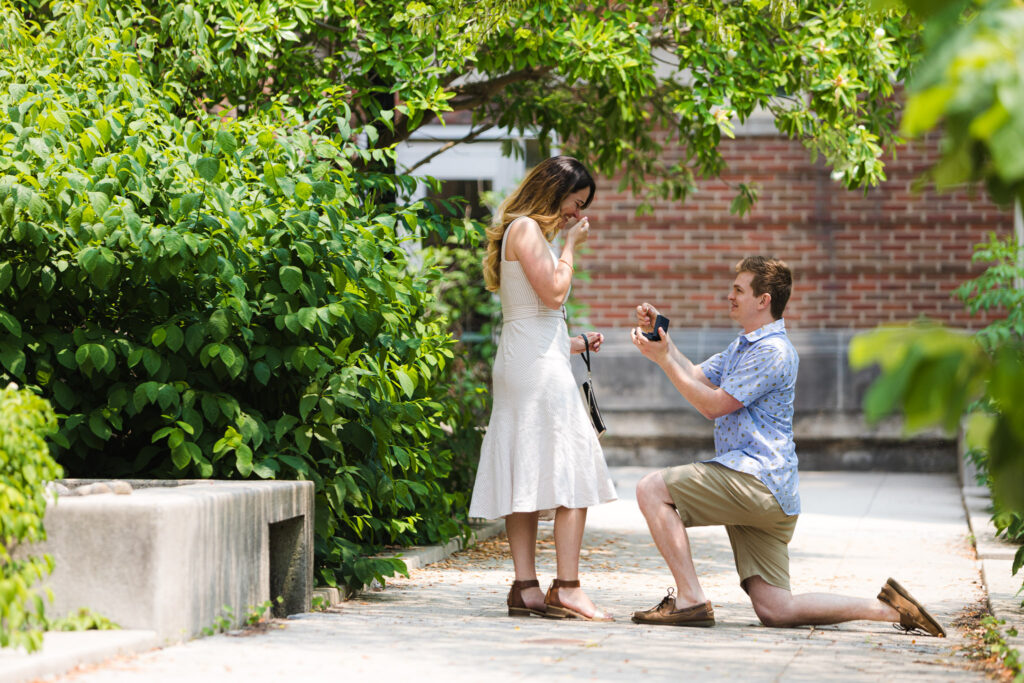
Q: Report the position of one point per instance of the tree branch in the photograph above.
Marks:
(471, 95)
(447, 146)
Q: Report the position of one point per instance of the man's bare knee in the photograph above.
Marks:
(771, 603)
(770, 613)
(769, 617)
(651, 491)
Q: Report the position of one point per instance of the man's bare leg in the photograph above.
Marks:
(779, 607)
(669, 534)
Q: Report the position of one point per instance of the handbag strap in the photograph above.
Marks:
(586, 352)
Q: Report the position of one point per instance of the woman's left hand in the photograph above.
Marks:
(594, 338)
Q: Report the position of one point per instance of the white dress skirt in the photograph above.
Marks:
(540, 451)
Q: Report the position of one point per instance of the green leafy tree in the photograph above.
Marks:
(970, 81)
(969, 85)
(620, 85)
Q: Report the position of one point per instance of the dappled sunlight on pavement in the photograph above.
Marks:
(448, 620)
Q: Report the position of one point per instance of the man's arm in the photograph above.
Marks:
(712, 402)
(689, 367)
(646, 314)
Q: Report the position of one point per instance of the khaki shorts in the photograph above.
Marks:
(708, 494)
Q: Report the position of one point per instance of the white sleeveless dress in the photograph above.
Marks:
(540, 451)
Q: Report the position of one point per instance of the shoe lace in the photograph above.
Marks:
(670, 597)
(910, 630)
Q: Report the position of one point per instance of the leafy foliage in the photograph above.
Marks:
(996, 645)
(998, 449)
(972, 83)
(944, 368)
(472, 312)
(82, 619)
(996, 291)
(621, 85)
(25, 467)
(1009, 524)
(933, 375)
(218, 297)
(259, 613)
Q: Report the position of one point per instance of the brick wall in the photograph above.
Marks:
(858, 260)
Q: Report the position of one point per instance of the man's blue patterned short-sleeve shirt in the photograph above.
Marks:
(759, 370)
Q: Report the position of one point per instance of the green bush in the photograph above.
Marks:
(472, 311)
(219, 297)
(82, 619)
(25, 467)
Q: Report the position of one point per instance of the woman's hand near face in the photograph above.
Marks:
(595, 339)
(578, 233)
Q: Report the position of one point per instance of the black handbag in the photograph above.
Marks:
(589, 397)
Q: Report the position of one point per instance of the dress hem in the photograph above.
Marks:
(543, 509)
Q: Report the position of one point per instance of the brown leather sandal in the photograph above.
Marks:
(517, 606)
(556, 610)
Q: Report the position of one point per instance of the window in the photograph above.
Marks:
(471, 191)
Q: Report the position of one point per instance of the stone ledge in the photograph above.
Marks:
(838, 456)
(686, 423)
(627, 381)
(329, 594)
(63, 651)
(651, 424)
(986, 543)
(996, 559)
(419, 556)
(1003, 599)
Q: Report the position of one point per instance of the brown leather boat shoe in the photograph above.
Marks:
(666, 614)
(913, 615)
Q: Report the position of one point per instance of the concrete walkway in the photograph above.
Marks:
(447, 621)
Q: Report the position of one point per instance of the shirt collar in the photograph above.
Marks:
(774, 327)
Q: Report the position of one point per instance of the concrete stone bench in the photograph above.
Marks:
(177, 556)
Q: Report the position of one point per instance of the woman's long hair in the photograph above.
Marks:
(539, 196)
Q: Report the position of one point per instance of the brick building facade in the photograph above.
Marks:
(859, 259)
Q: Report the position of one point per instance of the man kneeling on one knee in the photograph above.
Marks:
(751, 485)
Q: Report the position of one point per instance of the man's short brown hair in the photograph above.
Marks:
(770, 275)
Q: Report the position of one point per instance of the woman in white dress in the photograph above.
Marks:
(540, 455)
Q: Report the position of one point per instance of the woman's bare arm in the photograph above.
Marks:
(549, 279)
